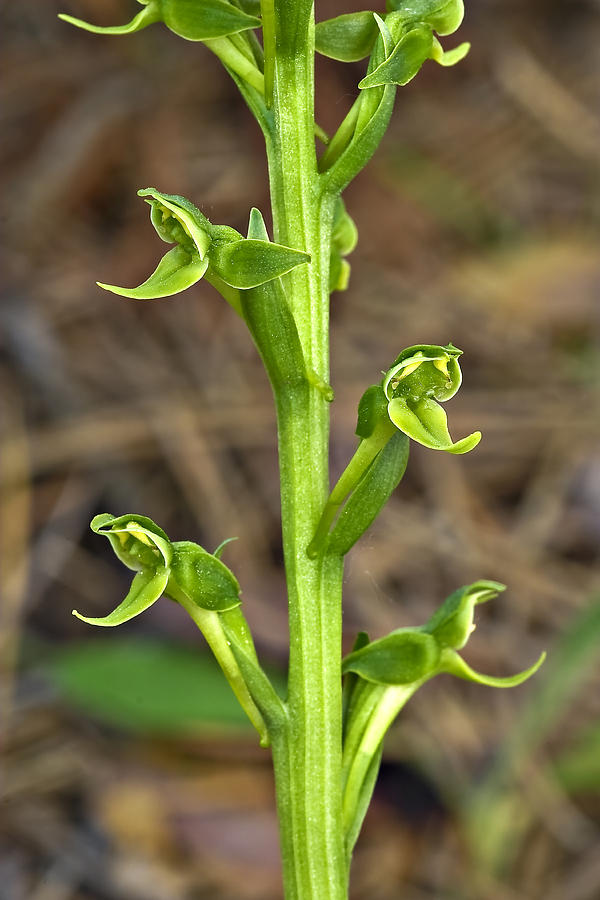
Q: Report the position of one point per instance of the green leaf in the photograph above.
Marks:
(371, 494)
(426, 423)
(444, 16)
(452, 623)
(176, 272)
(351, 679)
(275, 333)
(348, 38)
(363, 801)
(405, 60)
(246, 264)
(147, 686)
(402, 657)
(136, 540)
(144, 18)
(146, 588)
(203, 578)
(207, 19)
(454, 664)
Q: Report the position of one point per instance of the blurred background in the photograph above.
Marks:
(128, 772)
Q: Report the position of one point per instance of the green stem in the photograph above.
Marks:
(307, 752)
(210, 625)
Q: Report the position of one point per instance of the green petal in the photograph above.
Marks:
(454, 664)
(176, 272)
(144, 18)
(426, 423)
(257, 230)
(449, 57)
(145, 590)
(404, 62)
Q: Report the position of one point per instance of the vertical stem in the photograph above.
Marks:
(307, 753)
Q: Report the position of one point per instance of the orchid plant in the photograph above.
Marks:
(326, 736)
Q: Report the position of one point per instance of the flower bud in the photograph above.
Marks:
(182, 570)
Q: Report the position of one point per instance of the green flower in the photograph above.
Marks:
(421, 378)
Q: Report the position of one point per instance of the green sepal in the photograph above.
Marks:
(453, 664)
(257, 230)
(137, 541)
(403, 657)
(246, 264)
(348, 38)
(452, 623)
(372, 408)
(177, 271)
(443, 16)
(145, 17)
(449, 57)
(371, 494)
(146, 588)
(426, 422)
(201, 21)
(203, 578)
(188, 19)
(405, 60)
